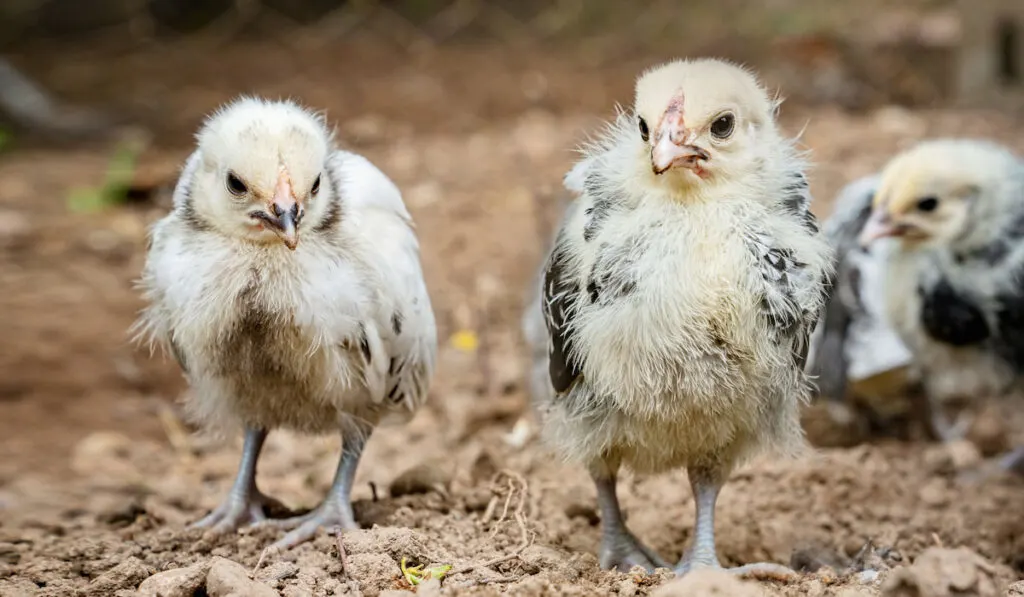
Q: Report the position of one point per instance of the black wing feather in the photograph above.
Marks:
(560, 293)
(179, 355)
(952, 317)
(842, 289)
(1010, 327)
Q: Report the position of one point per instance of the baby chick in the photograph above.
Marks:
(287, 283)
(947, 221)
(679, 297)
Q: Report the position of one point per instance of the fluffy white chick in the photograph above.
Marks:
(947, 220)
(286, 280)
(679, 297)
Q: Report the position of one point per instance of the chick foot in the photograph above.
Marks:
(237, 511)
(623, 551)
(1010, 462)
(330, 514)
(244, 503)
(619, 548)
(336, 510)
(701, 554)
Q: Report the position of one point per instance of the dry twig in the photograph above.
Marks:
(342, 556)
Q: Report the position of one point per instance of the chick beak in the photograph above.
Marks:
(674, 143)
(879, 225)
(286, 212)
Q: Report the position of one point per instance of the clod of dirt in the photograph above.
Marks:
(952, 457)
(394, 542)
(709, 583)
(15, 229)
(126, 575)
(231, 579)
(940, 572)
(1016, 589)
(989, 432)
(429, 588)
(372, 570)
(833, 425)
(178, 582)
(435, 475)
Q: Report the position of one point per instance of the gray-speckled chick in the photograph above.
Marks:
(946, 225)
(679, 296)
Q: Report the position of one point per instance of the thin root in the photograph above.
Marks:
(517, 484)
(342, 556)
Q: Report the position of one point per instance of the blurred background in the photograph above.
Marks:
(474, 108)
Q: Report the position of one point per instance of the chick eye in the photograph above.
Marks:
(722, 127)
(316, 186)
(235, 185)
(645, 133)
(927, 204)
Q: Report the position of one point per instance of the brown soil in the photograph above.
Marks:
(98, 478)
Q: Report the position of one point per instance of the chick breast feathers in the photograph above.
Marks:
(340, 327)
(679, 328)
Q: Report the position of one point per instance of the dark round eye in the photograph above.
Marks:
(316, 186)
(722, 127)
(927, 204)
(645, 133)
(235, 185)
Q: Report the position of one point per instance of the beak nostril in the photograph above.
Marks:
(274, 207)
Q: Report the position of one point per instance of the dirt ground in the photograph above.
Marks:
(98, 477)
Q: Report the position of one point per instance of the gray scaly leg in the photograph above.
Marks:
(244, 503)
(336, 509)
(619, 548)
(701, 554)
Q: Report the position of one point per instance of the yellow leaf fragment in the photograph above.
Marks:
(465, 340)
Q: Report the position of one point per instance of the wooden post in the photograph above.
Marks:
(990, 59)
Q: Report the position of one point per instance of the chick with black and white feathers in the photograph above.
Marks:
(947, 220)
(679, 297)
(286, 281)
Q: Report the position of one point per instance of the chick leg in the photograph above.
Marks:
(619, 548)
(336, 509)
(936, 422)
(701, 554)
(244, 503)
(1013, 461)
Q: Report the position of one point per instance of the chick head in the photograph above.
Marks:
(262, 175)
(702, 119)
(939, 192)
